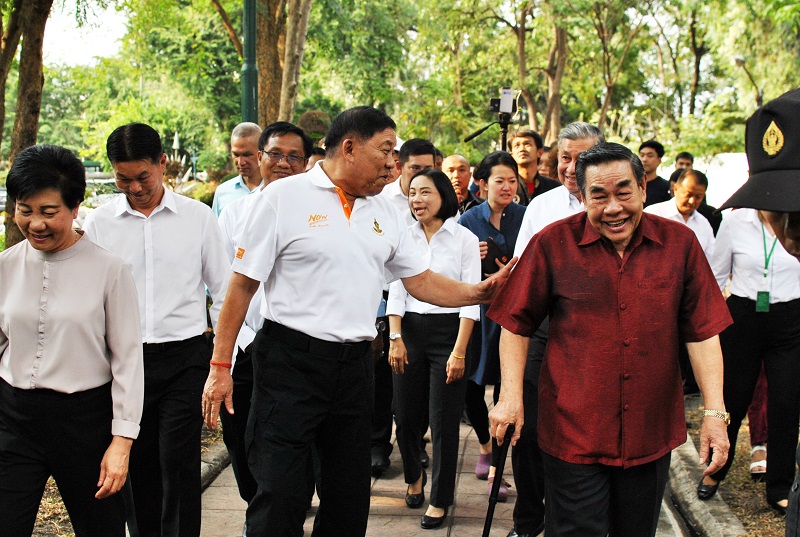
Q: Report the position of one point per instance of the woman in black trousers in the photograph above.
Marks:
(428, 346)
(765, 306)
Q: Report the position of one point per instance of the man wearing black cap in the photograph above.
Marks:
(773, 151)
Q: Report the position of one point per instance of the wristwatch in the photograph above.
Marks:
(724, 416)
(395, 335)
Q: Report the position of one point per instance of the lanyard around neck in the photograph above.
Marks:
(767, 256)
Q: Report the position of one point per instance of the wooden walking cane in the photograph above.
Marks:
(498, 479)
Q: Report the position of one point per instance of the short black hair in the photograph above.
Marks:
(47, 167)
(134, 141)
(699, 177)
(605, 153)
(527, 133)
(498, 158)
(361, 122)
(416, 146)
(281, 128)
(685, 155)
(677, 174)
(659, 149)
(445, 188)
(317, 151)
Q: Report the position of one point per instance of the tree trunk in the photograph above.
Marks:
(699, 50)
(226, 22)
(556, 64)
(29, 97)
(8, 49)
(601, 123)
(522, 66)
(271, 22)
(296, 30)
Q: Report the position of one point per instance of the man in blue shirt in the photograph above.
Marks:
(244, 151)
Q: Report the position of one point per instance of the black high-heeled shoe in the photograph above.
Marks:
(778, 507)
(432, 522)
(705, 492)
(415, 501)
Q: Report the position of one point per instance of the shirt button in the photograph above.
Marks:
(621, 271)
(626, 408)
(623, 306)
(627, 342)
(626, 376)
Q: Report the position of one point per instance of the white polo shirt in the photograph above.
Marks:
(696, 222)
(173, 254)
(324, 273)
(542, 211)
(231, 222)
(394, 194)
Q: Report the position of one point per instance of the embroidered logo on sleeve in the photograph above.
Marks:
(239, 253)
(376, 227)
(317, 220)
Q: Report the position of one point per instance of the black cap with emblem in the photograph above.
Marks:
(772, 142)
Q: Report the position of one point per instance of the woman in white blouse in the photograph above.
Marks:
(765, 306)
(428, 346)
(71, 374)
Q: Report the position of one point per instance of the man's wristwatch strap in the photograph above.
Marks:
(394, 335)
(724, 416)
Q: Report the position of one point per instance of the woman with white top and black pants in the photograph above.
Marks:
(428, 346)
(765, 306)
(71, 372)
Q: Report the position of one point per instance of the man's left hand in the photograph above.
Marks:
(489, 287)
(713, 437)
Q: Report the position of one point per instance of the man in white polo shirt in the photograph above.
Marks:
(283, 150)
(244, 151)
(690, 191)
(173, 247)
(323, 244)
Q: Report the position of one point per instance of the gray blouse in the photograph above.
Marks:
(69, 322)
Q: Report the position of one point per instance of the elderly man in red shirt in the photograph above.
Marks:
(622, 289)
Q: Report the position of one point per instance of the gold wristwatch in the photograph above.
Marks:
(724, 416)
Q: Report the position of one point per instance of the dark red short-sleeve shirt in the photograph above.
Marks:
(610, 387)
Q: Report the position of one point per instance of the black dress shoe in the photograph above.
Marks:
(515, 533)
(432, 522)
(704, 492)
(779, 508)
(415, 501)
(380, 463)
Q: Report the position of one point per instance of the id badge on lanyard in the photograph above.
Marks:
(762, 296)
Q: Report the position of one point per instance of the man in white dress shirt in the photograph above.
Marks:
(244, 152)
(283, 150)
(543, 210)
(324, 244)
(173, 247)
(690, 191)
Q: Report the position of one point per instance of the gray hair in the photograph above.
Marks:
(579, 130)
(246, 130)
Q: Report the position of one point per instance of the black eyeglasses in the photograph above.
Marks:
(293, 160)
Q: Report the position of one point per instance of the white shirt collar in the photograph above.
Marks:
(167, 202)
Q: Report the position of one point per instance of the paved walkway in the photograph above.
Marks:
(223, 510)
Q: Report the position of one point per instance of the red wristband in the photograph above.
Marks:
(226, 365)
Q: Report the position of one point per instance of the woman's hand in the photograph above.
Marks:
(398, 357)
(114, 467)
(483, 247)
(455, 367)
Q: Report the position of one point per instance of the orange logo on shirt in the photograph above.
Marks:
(317, 220)
(239, 253)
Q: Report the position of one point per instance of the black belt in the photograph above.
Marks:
(305, 343)
(170, 345)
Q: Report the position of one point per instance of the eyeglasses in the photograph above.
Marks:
(293, 160)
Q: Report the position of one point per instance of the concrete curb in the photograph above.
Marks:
(212, 462)
(712, 518)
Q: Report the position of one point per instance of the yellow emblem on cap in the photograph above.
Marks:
(773, 140)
